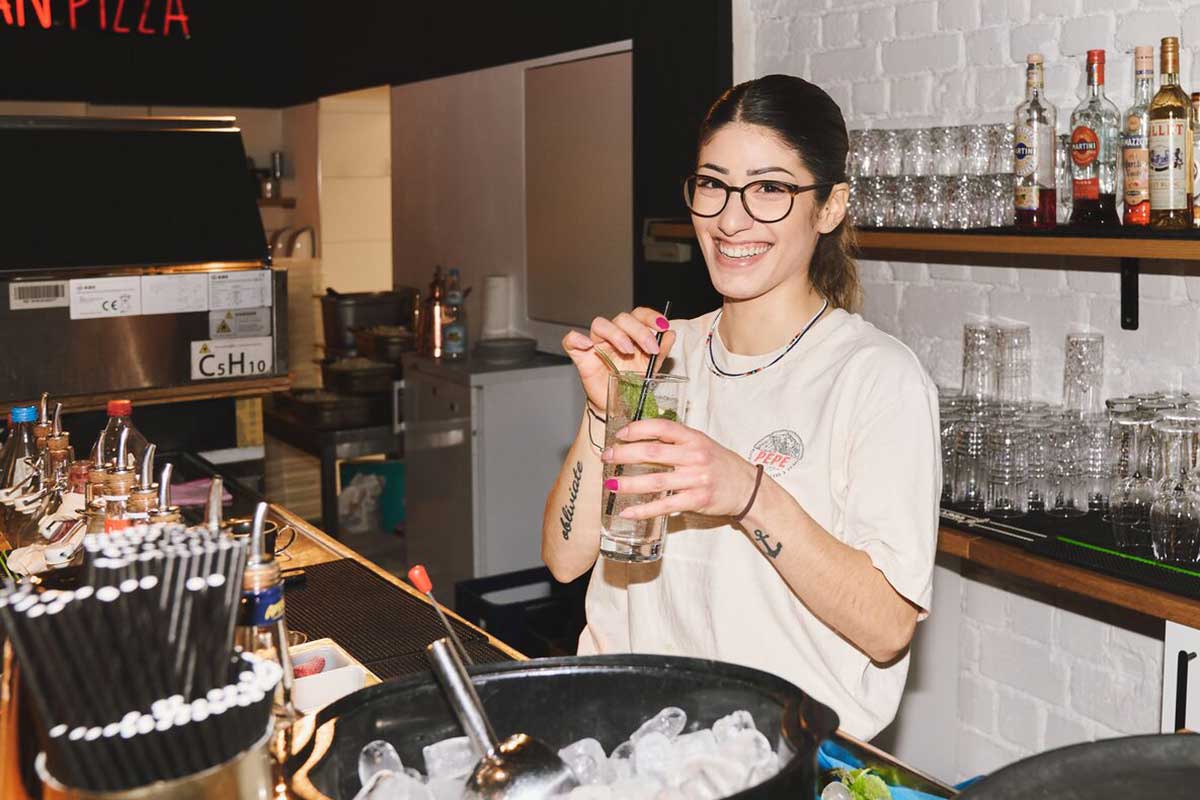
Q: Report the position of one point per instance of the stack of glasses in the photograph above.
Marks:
(953, 177)
(1133, 461)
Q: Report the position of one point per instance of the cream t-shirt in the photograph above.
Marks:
(847, 423)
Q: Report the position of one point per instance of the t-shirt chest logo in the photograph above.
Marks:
(778, 452)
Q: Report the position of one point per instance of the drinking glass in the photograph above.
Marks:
(891, 153)
(1083, 373)
(1062, 178)
(904, 209)
(1013, 366)
(1001, 212)
(947, 150)
(979, 362)
(1175, 526)
(949, 420)
(880, 206)
(931, 201)
(1007, 457)
(1066, 497)
(970, 464)
(869, 157)
(1176, 436)
(918, 152)
(1096, 462)
(1129, 508)
(1037, 438)
(857, 201)
(1001, 139)
(856, 156)
(660, 397)
(977, 149)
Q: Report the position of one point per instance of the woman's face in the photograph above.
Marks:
(747, 258)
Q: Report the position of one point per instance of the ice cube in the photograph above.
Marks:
(764, 771)
(837, 791)
(376, 756)
(652, 755)
(698, 788)
(620, 763)
(450, 758)
(587, 760)
(749, 748)
(590, 793)
(415, 774)
(712, 773)
(387, 785)
(446, 788)
(670, 793)
(730, 724)
(691, 745)
(669, 722)
(635, 788)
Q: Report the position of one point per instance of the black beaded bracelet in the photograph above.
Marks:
(758, 473)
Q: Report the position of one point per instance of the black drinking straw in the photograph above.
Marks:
(641, 405)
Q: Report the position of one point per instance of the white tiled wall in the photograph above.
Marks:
(1030, 675)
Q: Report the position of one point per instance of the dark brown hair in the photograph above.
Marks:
(805, 118)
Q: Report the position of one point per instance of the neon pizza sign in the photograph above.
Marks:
(136, 17)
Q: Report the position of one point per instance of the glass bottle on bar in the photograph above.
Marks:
(1195, 158)
(1095, 126)
(1170, 146)
(1033, 152)
(1135, 141)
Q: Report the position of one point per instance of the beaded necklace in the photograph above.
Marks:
(712, 359)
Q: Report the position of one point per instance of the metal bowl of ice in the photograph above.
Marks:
(631, 726)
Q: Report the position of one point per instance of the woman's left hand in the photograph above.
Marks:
(706, 478)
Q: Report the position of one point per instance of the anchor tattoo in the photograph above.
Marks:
(762, 538)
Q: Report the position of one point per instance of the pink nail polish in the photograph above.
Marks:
(610, 484)
(662, 323)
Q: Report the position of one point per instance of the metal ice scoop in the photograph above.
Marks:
(520, 767)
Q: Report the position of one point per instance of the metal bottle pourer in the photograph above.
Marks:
(165, 512)
(262, 596)
(41, 428)
(144, 497)
(119, 482)
(212, 506)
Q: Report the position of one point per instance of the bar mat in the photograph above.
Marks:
(1084, 541)
(481, 653)
(374, 620)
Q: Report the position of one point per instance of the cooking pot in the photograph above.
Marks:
(1163, 767)
(562, 700)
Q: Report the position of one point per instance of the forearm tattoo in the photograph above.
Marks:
(567, 516)
(762, 539)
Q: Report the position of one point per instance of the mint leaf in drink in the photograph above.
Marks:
(630, 394)
(669, 414)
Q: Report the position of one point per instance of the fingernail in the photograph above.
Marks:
(662, 323)
(607, 454)
(626, 514)
(621, 433)
(610, 484)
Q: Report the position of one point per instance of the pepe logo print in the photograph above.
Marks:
(778, 452)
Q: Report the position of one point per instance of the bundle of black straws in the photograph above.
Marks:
(133, 675)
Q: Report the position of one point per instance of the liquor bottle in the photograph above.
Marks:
(18, 457)
(429, 335)
(454, 338)
(1170, 146)
(1033, 152)
(120, 417)
(1095, 125)
(1135, 141)
(1195, 158)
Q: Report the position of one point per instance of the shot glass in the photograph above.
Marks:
(660, 397)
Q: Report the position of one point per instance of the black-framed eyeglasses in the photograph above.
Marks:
(764, 201)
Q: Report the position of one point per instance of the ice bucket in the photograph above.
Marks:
(561, 700)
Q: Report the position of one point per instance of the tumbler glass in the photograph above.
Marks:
(979, 362)
(880, 207)
(960, 197)
(856, 205)
(947, 151)
(904, 210)
(869, 155)
(1062, 178)
(1037, 437)
(977, 149)
(1176, 442)
(1175, 526)
(1001, 212)
(1066, 496)
(1013, 366)
(1001, 161)
(949, 420)
(1007, 457)
(856, 157)
(1129, 508)
(970, 464)
(1096, 462)
(660, 397)
(918, 152)
(931, 201)
(1083, 373)
(891, 153)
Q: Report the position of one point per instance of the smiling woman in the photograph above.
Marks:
(803, 481)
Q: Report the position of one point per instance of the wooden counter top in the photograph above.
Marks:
(1010, 560)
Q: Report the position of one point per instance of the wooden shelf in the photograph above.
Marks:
(1182, 247)
(246, 387)
(1011, 560)
(277, 202)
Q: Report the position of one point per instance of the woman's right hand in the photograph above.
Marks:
(629, 339)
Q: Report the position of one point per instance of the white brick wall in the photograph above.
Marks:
(1032, 674)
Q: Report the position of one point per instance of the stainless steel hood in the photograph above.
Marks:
(130, 247)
